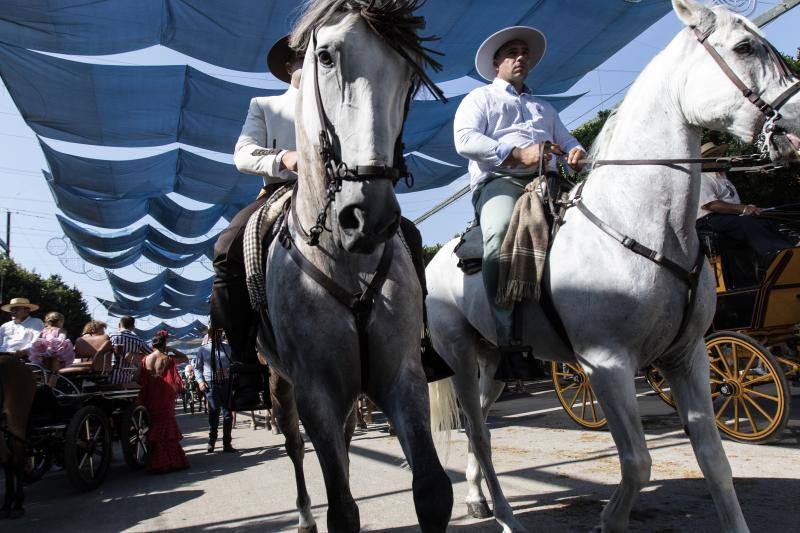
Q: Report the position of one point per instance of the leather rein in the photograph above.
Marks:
(765, 127)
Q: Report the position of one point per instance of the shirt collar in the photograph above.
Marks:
(503, 85)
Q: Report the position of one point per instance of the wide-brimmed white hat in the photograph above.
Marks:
(19, 302)
(484, 59)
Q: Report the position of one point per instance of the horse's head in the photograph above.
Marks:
(763, 102)
(355, 87)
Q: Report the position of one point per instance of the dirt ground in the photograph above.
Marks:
(556, 476)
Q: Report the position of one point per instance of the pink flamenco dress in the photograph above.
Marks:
(51, 345)
(158, 396)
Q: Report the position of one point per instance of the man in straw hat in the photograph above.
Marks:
(17, 335)
(722, 211)
(266, 148)
(504, 130)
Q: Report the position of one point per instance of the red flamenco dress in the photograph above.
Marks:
(158, 395)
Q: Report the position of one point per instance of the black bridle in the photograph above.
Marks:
(338, 171)
(766, 125)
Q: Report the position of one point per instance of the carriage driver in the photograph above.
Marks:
(501, 128)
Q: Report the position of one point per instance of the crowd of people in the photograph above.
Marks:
(152, 365)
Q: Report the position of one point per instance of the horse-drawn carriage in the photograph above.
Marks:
(73, 423)
(752, 347)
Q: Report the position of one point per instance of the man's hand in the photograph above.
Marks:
(528, 156)
(289, 161)
(202, 386)
(750, 209)
(574, 157)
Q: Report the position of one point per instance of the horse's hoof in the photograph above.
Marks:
(307, 529)
(479, 510)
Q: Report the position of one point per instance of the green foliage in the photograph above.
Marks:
(587, 132)
(50, 294)
(428, 251)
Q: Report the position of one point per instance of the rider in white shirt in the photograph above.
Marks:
(503, 130)
(17, 335)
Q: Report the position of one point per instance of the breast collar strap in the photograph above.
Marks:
(690, 277)
(360, 304)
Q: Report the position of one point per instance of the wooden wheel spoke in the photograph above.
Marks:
(591, 405)
(724, 405)
(83, 460)
(583, 403)
(762, 395)
(572, 403)
(568, 387)
(749, 364)
(758, 407)
(736, 415)
(722, 358)
(753, 424)
(717, 370)
(735, 355)
(760, 379)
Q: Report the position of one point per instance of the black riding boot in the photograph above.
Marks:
(435, 367)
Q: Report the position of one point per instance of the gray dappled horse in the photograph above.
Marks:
(363, 61)
(17, 389)
(621, 310)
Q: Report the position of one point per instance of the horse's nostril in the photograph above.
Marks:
(351, 218)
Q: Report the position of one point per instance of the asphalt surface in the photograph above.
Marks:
(556, 476)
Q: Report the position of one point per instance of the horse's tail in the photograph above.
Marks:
(444, 413)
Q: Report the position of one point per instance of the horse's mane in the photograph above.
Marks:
(719, 18)
(393, 21)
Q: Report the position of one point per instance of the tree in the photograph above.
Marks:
(428, 251)
(50, 294)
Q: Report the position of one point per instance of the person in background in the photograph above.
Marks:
(160, 384)
(722, 211)
(126, 341)
(52, 350)
(212, 373)
(94, 342)
(17, 335)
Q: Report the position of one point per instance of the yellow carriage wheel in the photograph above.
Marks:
(660, 385)
(576, 396)
(748, 388)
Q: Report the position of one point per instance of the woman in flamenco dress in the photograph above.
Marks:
(160, 383)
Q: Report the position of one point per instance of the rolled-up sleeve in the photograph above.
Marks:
(252, 155)
(469, 129)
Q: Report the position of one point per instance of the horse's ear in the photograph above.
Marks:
(690, 12)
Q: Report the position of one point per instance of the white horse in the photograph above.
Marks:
(363, 60)
(622, 311)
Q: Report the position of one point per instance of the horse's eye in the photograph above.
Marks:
(325, 58)
(744, 48)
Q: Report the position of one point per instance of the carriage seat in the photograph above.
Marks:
(740, 265)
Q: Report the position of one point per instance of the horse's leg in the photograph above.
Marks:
(19, 477)
(8, 497)
(405, 401)
(477, 395)
(689, 382)
(350, 425)
(284, 410)
(613, 382)
(324, 417)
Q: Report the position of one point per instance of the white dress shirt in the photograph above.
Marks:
(15, 337)
(716, 186)
(494, 119)
(267, 134)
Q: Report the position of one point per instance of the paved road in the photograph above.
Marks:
(556, 477)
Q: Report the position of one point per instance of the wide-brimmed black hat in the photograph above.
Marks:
(278, 56)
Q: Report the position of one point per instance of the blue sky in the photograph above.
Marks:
(26, 194)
